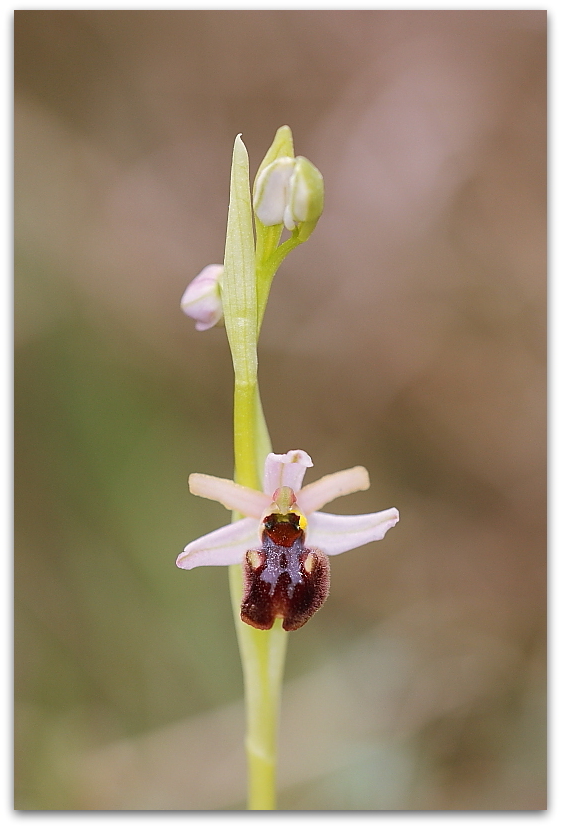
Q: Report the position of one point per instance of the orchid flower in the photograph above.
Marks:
(283, 541)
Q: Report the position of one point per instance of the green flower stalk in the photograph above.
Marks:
(262, 651)
(278, 543)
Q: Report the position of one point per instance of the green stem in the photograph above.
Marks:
(262, 651)
(266, 269)
(262, 654)
(245, 449)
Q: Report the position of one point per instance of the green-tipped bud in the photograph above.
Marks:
(305, 192)
(288, 191)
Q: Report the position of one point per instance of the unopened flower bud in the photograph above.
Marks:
(202, 300)
(288, 191)
(305, 197)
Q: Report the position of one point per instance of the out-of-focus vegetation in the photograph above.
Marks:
(407, 335)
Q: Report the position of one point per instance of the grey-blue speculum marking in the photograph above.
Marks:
(283, 578)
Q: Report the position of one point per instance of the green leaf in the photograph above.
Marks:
(239, 290)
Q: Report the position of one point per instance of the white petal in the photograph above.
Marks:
(222, 547)
(285, 470)
(315, 495)
(231, 495)
(339, 533)
(271, 191)
(288, 218)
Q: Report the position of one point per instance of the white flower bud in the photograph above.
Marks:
(288, 191)
(202, 300)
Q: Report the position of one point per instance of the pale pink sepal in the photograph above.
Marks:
(315, 495)
(222, 547)
(335, 534)
(231, 495)
(285, 470)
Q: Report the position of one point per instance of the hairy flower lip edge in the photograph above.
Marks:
(334, 534)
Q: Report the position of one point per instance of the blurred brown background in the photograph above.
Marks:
(407, 335)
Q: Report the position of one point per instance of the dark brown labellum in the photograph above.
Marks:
(284, 578)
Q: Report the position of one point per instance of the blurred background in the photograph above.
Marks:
(407, 335)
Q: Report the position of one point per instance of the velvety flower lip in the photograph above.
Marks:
(333, 534)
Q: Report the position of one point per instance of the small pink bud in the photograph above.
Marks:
(202, 300)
